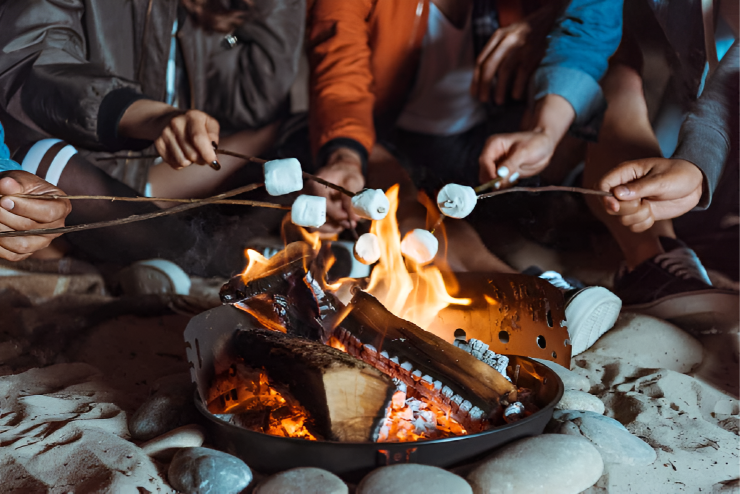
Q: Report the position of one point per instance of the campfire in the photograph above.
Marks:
(349, 360)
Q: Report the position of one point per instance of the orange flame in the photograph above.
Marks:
(256, 265)
(418, 297)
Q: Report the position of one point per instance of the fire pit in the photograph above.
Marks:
(207, 338)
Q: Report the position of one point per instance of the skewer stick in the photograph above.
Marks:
(133, 218)
(238, 202)
(493, 184)
(549, 188)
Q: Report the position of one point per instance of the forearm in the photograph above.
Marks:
(553, 115)
(145, 119)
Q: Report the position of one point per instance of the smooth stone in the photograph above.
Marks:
(570, 379)
(165, 446)
(647, 342)
(170, 406)
(580, 400)
(411, 478)
(616, 444)
(208, 471)
(303, 481)
(551, 463)
(566, 415)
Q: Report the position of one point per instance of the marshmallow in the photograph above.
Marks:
(367, 249)
(283, 176)
(456, 201)
(371, 204)
(420, 246)
(309, 211)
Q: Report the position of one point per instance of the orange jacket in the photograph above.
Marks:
(364, 55)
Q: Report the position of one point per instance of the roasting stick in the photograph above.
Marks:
(130, 219)
(238, 202)
(549, 188)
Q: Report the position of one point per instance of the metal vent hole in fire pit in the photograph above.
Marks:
(541, 342)
(503, 336)
(566, 342)
(549, 319)
(460, 334)
(554, 354)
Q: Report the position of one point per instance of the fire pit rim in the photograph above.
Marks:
(532, 418)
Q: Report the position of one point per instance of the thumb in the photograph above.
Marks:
(653, 186)
(9, 185)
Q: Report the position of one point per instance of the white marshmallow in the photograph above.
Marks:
(283, 176)
(371, 204)
(456, 201)
(367, 249)
(309, 211)
(420, 246)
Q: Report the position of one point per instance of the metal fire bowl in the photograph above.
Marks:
(207, 336)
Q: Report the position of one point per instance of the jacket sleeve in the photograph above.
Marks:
(710, 131)
(579, 47)
(64, 94)
(249, 83)
(341, 96)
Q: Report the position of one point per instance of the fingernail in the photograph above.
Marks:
(514, 177)
(215, 165)
(623, 192)
(7, 204)
(502, 171)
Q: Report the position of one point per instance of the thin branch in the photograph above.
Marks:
(238, 202)
(549, 188)
(133, 218)
(493, 184)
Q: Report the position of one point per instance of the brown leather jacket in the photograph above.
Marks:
(70, 69)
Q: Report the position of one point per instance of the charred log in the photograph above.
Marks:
(443, 373)
(347, 398)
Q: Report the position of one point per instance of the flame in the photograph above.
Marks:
(256, 265)
(418, 297)
(490, 300)
(335, 343)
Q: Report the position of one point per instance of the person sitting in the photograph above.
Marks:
(90, 88)
(22, 213)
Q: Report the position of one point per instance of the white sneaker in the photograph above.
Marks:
(590, 313)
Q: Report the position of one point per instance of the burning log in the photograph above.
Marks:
(453, 379)
(347, 398)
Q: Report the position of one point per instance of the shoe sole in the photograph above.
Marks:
(593, 311)
(705, 310)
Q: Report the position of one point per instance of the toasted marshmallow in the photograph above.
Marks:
(309, 211)
(371, 204)
(420, 246)
(283, 176)
(367, 249)
(456, 201)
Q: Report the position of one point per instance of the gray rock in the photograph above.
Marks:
(566, 415)
(615, 443)
(410, 478)
(165, 446)
(647, 342)
(170, 406)
(552, 463)
(579, 400)
(570, 379)
(207, 471)
(303, 481)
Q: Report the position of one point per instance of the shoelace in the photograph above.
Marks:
(682, 262)
(556, 280)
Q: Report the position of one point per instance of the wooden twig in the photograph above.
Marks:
(133, 218)
(549, 188)
(238, 202)
(493, 184)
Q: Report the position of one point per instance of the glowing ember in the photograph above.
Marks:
(247, 398)
(410, 419)
(418, 297)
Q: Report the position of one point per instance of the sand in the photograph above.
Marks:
(63, 407)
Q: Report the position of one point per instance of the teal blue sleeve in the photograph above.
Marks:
(6, 164)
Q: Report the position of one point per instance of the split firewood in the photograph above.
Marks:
(347, 398)
(451, 378)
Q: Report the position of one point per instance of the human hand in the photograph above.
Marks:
(18, 213)
(523, 154)
(510, 57)
(343, 168)
(181, 138)
(651, 190)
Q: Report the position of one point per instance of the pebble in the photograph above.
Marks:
(570, 379)
(303, 481)
(411, 478)
(565, 415)
(652, 343)
(165, 446)
(580, 400)
(615, 443)
(170, 406)
(551, 463)
(207, 471)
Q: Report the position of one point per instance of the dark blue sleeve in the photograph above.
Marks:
(577, 56)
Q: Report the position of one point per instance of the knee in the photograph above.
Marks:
(46, 159)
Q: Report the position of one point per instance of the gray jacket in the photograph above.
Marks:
(70, 69)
